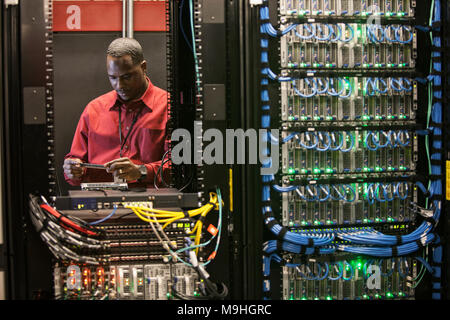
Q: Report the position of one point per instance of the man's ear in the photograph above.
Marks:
(144, 66)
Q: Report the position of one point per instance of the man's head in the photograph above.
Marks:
(126, 68)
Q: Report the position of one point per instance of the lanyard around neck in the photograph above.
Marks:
(122, 144)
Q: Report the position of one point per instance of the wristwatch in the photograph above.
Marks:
(143, 171)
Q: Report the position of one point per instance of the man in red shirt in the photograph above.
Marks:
(124, 129)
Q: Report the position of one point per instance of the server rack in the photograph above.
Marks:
(230, 50)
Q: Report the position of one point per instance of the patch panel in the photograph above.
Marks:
(344, 45)
(125, 281)
(349, 99)
(355, 279)
(324, 153)
(385, 8)
(349, 204)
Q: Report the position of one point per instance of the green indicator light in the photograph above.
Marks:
(291, 171)
(377, 296)
(304, 298)
(365, 296)
(388, 14)
(389, 295)
(304, 171)
(291, 298)
(316, 170)
(290, 118)
(316, 298)
(302, 65)
(304, 117)
(365, 220)
(401, 294)
(329, 298)
(316, 222)
(329, 170)
(303, 223)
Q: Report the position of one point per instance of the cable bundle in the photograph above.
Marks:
(323, 86)
(168, 217)
(65, 236)
(381, 192)
(392, 139)
(322, 141)
(323, 192)
(378, 86)
(392, 34)
(335, 32)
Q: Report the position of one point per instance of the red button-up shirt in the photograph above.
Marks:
(97, 140)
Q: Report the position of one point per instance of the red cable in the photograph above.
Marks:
(66, 221)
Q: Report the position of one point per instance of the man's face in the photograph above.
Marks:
(127, 79)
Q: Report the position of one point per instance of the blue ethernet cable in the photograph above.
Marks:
(397, 35)
(105, 218)
(340, 271)
(436, 117)
(352, 33)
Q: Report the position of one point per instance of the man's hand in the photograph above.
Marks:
(123, 168)
(72, 168)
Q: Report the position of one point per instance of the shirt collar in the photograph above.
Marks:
(145, 99)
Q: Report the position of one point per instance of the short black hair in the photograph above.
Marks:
(126, 46)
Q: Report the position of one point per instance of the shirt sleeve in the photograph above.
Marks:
(79, 147)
